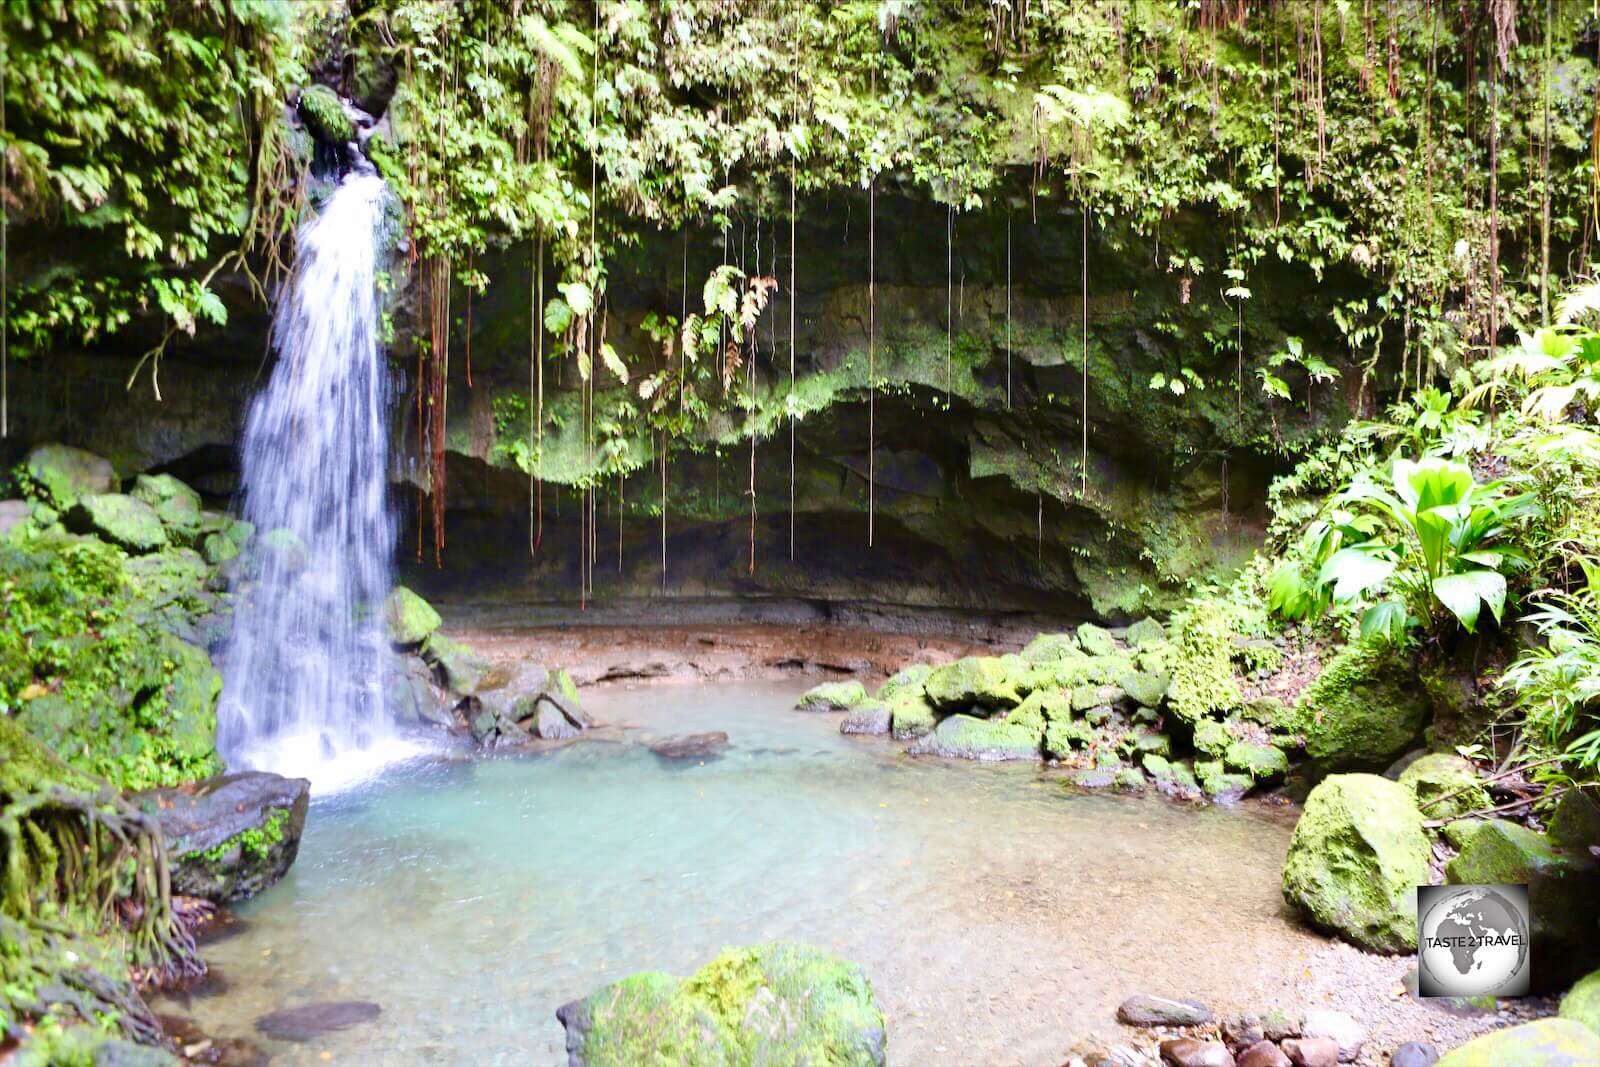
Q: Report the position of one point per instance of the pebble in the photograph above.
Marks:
(1414, 1054)
(1192, 1052)
(1143, 1009)
(1263, 1054)
(1312, 1051)
(1241, 1032)
(1349, 1034)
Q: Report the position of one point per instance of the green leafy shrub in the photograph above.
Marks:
(1555, 686)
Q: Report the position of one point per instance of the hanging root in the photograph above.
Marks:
(86, 905)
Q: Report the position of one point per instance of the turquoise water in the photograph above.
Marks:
(998, 917)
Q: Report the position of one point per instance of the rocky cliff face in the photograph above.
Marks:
(971, 420)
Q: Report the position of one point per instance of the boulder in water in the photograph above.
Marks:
(61, 474)
(832, 696)
(907, 681)
(971, 682)
(969, 737)
(314, 1020)
(911, 716)
(126, 522)
(233, 836)
(777, 1003)
(868, 717)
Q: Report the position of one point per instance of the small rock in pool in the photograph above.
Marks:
(704, 746)
(1414, 1054)
(1192, 1052)
(1143, 1009)
(1263, 1054)
(313, 1020)
(868, 717)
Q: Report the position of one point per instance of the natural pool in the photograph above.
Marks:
(998, 917)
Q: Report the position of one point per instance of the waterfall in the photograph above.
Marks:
(305, 666)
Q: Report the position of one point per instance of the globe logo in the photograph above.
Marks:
(1472, 940)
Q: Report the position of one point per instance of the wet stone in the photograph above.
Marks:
(1145, 1010)
(704, 746)
(1414, 1054)
(313, 1020)
(1193, 1052)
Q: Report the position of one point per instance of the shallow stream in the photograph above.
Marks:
(998, 917)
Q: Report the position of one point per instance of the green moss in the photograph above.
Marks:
(832, 696)
(1204, 682)
(1364, 709)
(324, 115)
(257, 841)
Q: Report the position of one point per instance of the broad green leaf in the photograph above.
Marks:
(1387, 620)
(1355, 571)
(1462, 594)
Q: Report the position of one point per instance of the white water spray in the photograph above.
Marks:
(306, 663)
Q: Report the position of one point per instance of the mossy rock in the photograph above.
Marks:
(458, 667)
(163, 575)
(218, 548)
(1575, 823)
(1096, 640)
(907, 680)
(282, 549)
(60, 474)
(1048, 648)
(323, 113)
(1446, 785)
(872, 717)
(1541, 1043)
(1039, 709)
(973, 681)
(1148, 688)
(771, 1004)
(832, 696)
(1146, 633)
(121, 520)
(407, 618)
(1144, 740)
(562, 685)
(910, 717)
(1365, 709)
(1582, 1002)
(177, 505)
(1089, 696)
(1563, 887)
(1218, 783)
(1061, 736)
(1356, 858)
(990, 740)
(1211, 738)
(1263, 763)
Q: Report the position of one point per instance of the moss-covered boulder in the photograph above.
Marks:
(1541, 1043)
(1263, 763)
(1146, 633)
(458, 668)
(1575, 823)
(323, 113)
(218, 548)
(972, 682)
(1356, 858)
(1148, 688)
(969, 737)
(907, 680)
(910, 716)
(407, 618)
(1062, 735)
(283, 550)
(1446, 785)
(124, 521)
(1048, 648)
(832, 696)
(773, 1004)
(1211, 738)
(60, 474)
(1563, 886)
(1365, 709)
(1096, 640)
(1582, 1002)
(176, 504)
(1220, 784)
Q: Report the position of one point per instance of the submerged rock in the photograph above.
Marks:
(124, 521)
(1356, 858)
(233, 836)
(314, 1020)
(776, 1003)
(1542, 1043)
(699, 747)
(1143, 1009)
(832, 696)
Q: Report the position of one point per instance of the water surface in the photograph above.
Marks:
(998, 917)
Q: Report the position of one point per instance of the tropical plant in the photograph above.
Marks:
(1432, 545)
(1556, 685)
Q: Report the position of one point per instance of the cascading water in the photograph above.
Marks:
(306, 663)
